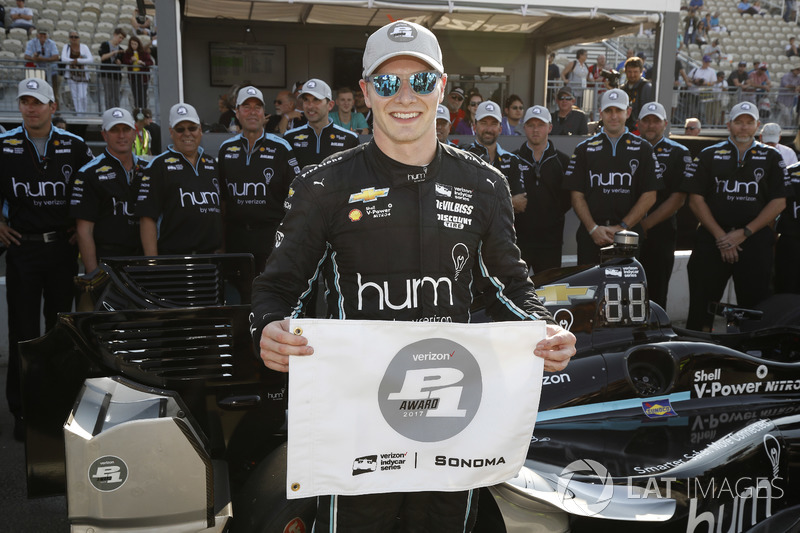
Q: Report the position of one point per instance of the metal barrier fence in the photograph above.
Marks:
(710, 104)
(83, 95)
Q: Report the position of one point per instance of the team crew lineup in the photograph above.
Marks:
(314, 205)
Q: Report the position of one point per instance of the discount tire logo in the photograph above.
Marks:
(431, 390)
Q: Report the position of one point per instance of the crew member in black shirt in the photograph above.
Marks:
(320, 137)
(736, 188)
(787, 250)
(179, 206)
(660, 226)
(256, 169)
(488, 124)
(37, 163)
(613, 179)
(104, 195)
(539, 209)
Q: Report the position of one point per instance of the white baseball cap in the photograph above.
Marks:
(402, 38)
(317, 89)
(248, 92)
(771, 133)
(744, 108)
(488, 109)
(117, 115)
(442, 113)
(538, 112)
(181, 112)
(37, 88)
(653, 108)
(614, 98)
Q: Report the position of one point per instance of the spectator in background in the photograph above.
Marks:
(576, 75)
(227, 118)
(454, 101)
(361, 107)
(791, 48)
(692, 126)
(746, 8)
(628, 54)
(715, 107)
(443, 124)
(21, 17)
(789, 13)
(155, 131)
(771, 136)
(716, 27)
(713, 50)
(139, 61)
(142, 140)
(553, 76)
(569, 120)
(596, 70)
(787, 96)
(699, 93)
(738, 78)
(639, 90)
(695, 6)
(43, 52)
(59, 122)
(512, 115)
(75, 55)
(344, 115)
(111, 57)
(690, 26)
(466, 126)
(142, 25)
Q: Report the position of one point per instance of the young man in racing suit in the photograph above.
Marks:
(391, 215)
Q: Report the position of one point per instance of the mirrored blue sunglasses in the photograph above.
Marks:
(388, 84)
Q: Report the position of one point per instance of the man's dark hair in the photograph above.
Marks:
(119, 31)
(634, 62)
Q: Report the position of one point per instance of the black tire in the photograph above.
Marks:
(261, 506)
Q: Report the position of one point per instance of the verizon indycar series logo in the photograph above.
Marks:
(431, 390)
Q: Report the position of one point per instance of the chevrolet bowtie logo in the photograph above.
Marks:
(563, 294)
(104, 168)
(368, 195)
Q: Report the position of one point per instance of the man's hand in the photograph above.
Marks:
(604, 235)
(278, 343)
(556, 349)
(8, 236)
(519, 202)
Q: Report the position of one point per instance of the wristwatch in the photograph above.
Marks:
(747, 231)
(624, 225)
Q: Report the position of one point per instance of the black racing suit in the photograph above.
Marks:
(405, 243)
(540, 228)
(736, 187)
(35, 190)
(254, 187)
(506, 162)
(787, 250)
(657, 248)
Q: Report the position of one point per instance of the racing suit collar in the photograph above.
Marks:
(399, 173)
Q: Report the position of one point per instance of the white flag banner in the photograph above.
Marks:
(387, 406)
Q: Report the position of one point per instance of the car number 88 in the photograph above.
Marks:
(615, 304)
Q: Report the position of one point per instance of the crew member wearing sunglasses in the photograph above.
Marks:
(179, 198)
(569, 119)
(398, 209)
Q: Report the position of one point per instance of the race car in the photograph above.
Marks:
(162, 418)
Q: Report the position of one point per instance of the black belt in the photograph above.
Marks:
(50, 236)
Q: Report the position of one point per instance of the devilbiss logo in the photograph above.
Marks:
(431, 390)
